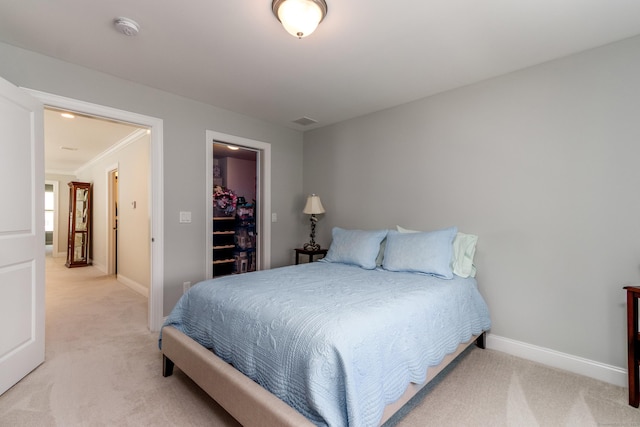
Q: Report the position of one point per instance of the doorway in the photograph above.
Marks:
(235, 172)
(156, 187)
(112, 220)
(251, 149)
(51, 217)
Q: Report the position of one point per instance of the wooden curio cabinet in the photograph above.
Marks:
(79, 239)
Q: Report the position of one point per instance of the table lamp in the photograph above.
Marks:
(313, 207)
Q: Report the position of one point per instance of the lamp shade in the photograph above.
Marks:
(299, 17)
(314, 205)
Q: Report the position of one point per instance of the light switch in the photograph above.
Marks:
(274, 217)
(185, 217)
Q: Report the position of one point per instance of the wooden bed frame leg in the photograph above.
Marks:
(167, 366)
(481, 341)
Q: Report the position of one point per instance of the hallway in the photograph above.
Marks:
(102, 365)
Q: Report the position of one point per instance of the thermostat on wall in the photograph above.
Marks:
(185, 217)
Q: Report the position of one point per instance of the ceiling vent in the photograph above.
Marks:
(305, 121)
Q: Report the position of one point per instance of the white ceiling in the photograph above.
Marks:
(70, 143)
(367, 55)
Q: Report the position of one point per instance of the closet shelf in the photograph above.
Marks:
(224, 247)
(223, 261)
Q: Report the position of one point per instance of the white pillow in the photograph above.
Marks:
(464, 249)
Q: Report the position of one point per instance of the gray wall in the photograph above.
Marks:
(541, 164)
(185, 124)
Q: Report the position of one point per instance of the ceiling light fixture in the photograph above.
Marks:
(299, 17)
(233, 147)
(68, 115)
(126, 26)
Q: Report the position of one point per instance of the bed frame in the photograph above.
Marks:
(249, 403)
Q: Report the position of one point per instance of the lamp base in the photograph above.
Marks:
(311, 247)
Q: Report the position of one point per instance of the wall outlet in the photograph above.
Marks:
(185, 286)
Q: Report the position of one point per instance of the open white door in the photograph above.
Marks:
(21, 234)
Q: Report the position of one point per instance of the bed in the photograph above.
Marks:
(345, 341)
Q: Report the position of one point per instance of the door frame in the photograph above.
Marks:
(156, 187)
(112, 201)
(263, 196)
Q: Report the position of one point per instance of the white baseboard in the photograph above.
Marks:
(577, 365)
(102, 268)
(135, 286)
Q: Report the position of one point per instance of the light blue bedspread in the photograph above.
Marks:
(334, 341)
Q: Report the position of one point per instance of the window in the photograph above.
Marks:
(48, 207)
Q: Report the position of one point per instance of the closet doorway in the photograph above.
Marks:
(112, 213)
(235, 173)
(238, 201)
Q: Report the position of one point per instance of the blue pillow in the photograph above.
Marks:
(358, 247)
(429, 252)
(464, 249)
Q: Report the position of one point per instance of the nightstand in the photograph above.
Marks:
(633, 341)
(310, 253)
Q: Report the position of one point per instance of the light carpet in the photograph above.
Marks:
(103, 368)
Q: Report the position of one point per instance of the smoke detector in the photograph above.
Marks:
(126, 26)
